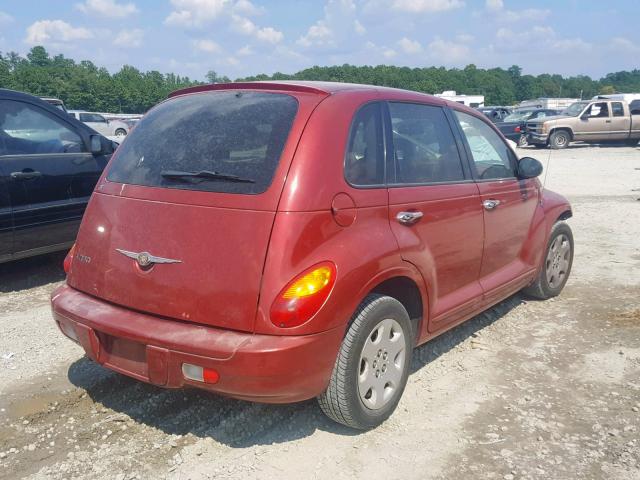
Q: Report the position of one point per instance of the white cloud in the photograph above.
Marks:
(410, 46)
(5, 18)
(545, 39)
(208, 46)
(388, 53)
(620, 44)
(244, 51)
(448, 52)
(245, 7)
(107, 8)
(269, 35)
(243, 25)
(129, 38)
(336, 27)
(498, 12)
(426, 6)
(195, 13)
(494, 4)
(54, 31)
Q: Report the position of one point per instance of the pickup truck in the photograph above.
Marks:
(592, 121)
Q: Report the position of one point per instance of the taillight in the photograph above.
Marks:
(303, 296)
(68, 259)
(517, 129)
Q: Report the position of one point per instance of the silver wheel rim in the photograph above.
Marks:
(558, 258)
(561, 140)
(522, 141)
(382, 364)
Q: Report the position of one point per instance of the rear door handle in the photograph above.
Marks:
(25, 175)
(409, 218)
(490, 204)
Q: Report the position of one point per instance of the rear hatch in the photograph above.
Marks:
(179, 225)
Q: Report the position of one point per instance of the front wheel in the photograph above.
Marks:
(121, 132)
(559, 139)
(556, 268)
(372, 367)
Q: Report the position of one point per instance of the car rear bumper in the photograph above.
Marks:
(264, 368)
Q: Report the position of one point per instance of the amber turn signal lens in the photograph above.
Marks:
(303, 296)
(66, 265)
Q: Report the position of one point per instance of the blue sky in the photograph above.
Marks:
(244, 37)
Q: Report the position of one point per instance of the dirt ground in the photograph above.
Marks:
(527, 390)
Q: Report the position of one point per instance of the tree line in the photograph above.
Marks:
(85, 86)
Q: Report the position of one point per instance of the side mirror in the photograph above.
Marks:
(584, 116)
(96, 144)
(529, 168)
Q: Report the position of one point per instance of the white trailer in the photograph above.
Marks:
(547, 102)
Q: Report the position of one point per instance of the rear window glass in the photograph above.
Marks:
(227, 142)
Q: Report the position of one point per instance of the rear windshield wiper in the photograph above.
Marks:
(205, 175)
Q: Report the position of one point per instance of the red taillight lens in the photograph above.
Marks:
(68, 259)
(303, 296)
(517, 129)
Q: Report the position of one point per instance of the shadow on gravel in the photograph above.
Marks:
(238, 423)
(31, 272)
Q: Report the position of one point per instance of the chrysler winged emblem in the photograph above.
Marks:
(145, 259)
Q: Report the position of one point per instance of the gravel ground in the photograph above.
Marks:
(527, 390)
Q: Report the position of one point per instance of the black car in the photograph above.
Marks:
(495, 114)
(49, 165)
(513, 126)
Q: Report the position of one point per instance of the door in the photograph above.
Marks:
(6, 217)
(595, 123)
(41, 158)
(434, 208)
(97, 122)
(620, 125)
(508, 203)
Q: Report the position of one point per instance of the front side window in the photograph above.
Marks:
(424, 147)
(598, 110)
(364, 162)
(492, 157)
(617, 109)
(27, 130)
(224, 141)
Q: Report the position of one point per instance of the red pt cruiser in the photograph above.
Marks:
(282, 241)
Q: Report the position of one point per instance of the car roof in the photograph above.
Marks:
(315, 87)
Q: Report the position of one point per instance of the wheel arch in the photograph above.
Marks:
(567, 129)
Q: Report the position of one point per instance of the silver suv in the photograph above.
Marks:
(100, 124)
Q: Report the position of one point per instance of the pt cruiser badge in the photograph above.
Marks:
(145, 259)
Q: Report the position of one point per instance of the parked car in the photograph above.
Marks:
(49, 164)
(513, 126)
(495, 114)
(588, 121)
(56, 102)
(280, 241)
(108, 128)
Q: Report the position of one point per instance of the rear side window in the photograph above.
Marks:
(424, 147)
(617, 109)
(492, 158)
(227, 142)
(364, 162)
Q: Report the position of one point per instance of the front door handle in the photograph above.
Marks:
(26, 174)
(409, 218)
(607, 121)
(490, 204)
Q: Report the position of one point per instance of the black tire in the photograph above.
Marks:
(341, 401)
(522, 141)
(560, 139)
(541, 288)
(121, 132)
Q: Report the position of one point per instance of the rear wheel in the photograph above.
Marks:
(522, 141)
(121, 132)
(372, 367)
(556, 268)
(559, 139)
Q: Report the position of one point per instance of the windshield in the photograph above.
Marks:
(235, 134)
(574, 109)
(518, 116)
